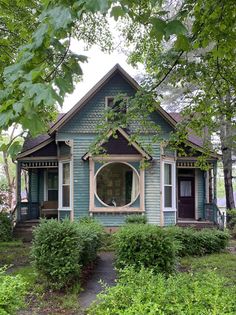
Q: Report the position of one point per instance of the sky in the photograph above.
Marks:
(97, 66)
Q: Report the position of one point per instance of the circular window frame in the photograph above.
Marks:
(95, 185)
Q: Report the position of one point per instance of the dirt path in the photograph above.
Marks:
(104, 271)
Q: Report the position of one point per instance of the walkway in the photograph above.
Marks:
(104, 271)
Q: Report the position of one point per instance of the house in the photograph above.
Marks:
(66, 180)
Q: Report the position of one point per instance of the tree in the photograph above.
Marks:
(182, 41)
(202, 63)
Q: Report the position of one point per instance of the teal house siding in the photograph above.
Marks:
(36, 186)
(90, 115)
(200, 192)
(33, 183)
(169, 218)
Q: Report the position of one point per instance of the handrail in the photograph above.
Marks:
(214, 214)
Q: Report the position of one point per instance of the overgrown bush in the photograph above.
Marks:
(231, 218)
(5, 227)
(56, 251)
(12, 293)
(145, 293)
(136, 219)
(90, 236)
(61, 248)
(199, 242)
(145, 245)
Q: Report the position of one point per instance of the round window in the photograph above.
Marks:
(117, 184)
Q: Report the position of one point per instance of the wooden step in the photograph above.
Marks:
(24, 230)
(196, 224)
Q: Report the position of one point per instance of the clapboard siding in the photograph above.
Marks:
(33, 184)
(201, 192)
(90, 115)
(169, 218)
(81, 175)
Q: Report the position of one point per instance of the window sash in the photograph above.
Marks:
(168, 186)
(65, 185)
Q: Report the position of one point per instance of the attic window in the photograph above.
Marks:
(117, 106)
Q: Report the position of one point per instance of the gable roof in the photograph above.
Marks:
(78, 106)
(38, 142)
(191, 137)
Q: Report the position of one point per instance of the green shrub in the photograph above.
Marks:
(61, 248)
(90, 237)
(145, 245)
(144, 293)
(199, 242)
(12, 293)
(231, 218)
(136, 219)
(5, 227)
(56, 251)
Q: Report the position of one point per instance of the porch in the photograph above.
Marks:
(41, 190)
(196, 194)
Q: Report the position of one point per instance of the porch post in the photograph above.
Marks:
(206, 175)
(214, 183)
(18, 190)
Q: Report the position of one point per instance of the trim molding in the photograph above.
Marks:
(126, 136)
(36, 148)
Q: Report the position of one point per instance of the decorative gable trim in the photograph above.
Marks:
(127, 137)
(34, 149)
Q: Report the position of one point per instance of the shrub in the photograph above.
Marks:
(145, 245)
(144, 293)
(194, 242)
(136, 219)
(90, 236)
(231, 219)
(5, 227)
(61, 248)
(12, 293)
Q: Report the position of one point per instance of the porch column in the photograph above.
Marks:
(214, 184)
(18, 190)
(206, 176)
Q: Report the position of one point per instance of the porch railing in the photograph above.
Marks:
(28, 211)
(215, 215)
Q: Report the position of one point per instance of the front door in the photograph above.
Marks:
(186, 198)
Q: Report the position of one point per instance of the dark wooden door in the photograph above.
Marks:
(186, 198)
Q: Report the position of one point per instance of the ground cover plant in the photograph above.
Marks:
(199, 242)
(146, 245)
(224, 264)
(12, 292)
(146, 293)
(62, 248)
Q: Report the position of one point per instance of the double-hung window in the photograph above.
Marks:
(169, 186)
(65, 185)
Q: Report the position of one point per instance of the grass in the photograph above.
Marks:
(14, 253)
(223, 263)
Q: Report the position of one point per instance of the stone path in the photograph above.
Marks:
(104, 271)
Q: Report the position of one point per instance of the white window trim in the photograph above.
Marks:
(173, 180)
(45, 178)
(60, 184)
(124, 209)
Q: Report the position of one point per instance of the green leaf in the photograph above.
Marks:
(158, 29)
(175, 27)
(182, 43)
(117, 12)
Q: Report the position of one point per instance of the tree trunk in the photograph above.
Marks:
(226, 147)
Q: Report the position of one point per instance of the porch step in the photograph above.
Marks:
(196, 224)
(24, 230)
